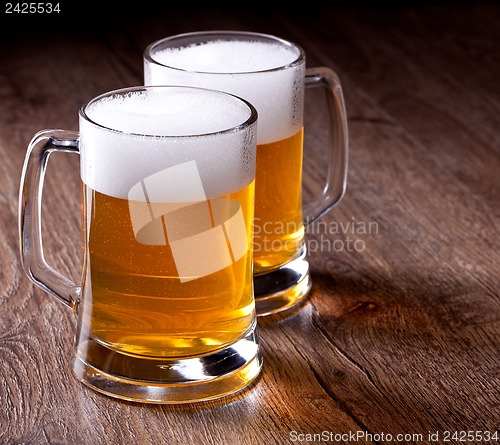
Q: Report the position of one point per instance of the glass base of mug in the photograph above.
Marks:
(157, 380)
(283, 288)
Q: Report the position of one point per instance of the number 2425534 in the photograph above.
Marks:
(32, 8)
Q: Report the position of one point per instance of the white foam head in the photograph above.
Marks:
(168, 112)
(269, 74)
(224, 56)
(129, 135)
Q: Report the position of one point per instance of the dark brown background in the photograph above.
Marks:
(400, 337)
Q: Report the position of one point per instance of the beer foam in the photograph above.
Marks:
(223, 56)
(172, 113)
(250, 69)
(126, 138)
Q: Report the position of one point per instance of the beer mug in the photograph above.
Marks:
(165, 309)
(270, 73)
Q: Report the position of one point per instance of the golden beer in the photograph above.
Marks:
(165, 305)
(134, 300)
(270, 73)
(278, 226)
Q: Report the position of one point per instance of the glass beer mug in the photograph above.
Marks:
(270, 73)
(165, 309)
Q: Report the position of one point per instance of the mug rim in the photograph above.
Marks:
(250, 120)
(148, 52)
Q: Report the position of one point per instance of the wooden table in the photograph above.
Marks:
(401, 331)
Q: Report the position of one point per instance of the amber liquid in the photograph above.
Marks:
(278, 227)
(133, 300)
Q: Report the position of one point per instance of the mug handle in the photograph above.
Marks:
(336, 179)
(30, 205)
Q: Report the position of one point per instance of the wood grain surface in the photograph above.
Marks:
(401, 332)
